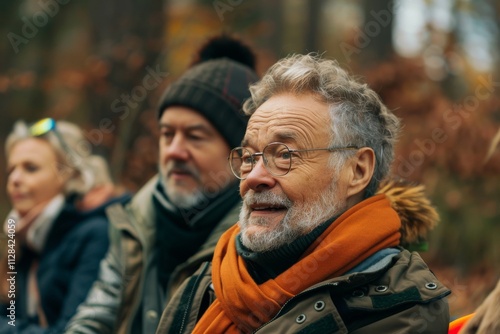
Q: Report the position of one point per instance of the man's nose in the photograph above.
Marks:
(259, 177)
(178, 149)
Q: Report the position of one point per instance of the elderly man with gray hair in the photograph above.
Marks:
(318, 246)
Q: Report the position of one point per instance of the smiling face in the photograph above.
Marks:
(276, 210)
(193, 157)
(33, 177)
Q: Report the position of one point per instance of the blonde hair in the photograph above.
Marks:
(74, 153)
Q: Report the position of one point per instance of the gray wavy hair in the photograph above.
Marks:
(75, 159)
(358, 115)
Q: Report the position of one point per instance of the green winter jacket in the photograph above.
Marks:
(398, 294)
(127, 286)
(393, 291)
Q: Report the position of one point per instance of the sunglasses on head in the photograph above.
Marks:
(42, 127)
(46, 125)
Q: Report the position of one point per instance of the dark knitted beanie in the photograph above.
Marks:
(216, 88)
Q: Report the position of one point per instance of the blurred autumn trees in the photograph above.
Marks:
(104, 66)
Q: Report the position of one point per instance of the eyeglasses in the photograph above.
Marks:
(277, 158)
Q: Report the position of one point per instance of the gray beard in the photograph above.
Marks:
(183, 200)
(298, 221)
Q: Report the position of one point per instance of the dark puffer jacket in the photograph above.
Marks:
(67, 267)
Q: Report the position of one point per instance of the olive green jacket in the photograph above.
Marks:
(398, 294)
(127, 286)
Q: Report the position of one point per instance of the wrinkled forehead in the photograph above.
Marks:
(297, 120)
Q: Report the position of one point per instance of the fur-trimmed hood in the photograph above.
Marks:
(417, 214)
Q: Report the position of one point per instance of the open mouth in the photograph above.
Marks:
(263, 208)
(271, 208)
(266, 204)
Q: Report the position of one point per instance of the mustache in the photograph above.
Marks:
(253, 198)
(183, 167)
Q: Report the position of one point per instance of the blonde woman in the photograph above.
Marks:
(57, 228)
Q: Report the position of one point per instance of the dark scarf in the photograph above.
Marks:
(181, 232)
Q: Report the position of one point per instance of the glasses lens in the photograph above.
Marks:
(42, 127)
(240, 161)
(278, 158)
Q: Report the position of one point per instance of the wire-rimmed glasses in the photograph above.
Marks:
(277, 158)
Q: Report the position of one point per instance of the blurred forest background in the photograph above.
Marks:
(435, 62)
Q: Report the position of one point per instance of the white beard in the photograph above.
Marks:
(298, 221)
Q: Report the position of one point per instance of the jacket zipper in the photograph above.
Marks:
(132, 230)
(191, 295)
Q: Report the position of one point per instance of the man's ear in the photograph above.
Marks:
(362, 167)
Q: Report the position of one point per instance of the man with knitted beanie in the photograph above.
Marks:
(173, 223)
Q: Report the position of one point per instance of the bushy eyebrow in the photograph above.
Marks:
(282, 136)
(286, 136)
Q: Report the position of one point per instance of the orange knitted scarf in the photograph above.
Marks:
(242, 305)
